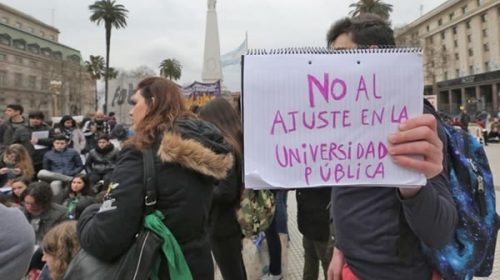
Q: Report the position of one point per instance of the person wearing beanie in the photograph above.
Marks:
(16, 245)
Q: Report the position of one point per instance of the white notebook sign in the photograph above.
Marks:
(322, 118)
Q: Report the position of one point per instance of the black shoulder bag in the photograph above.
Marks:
(137, 263)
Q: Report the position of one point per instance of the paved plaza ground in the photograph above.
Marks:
(295, 253)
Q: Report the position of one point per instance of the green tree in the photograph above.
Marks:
(95, 67)
(171, 68)
(371, 6)
(111, 73)
(114, 16)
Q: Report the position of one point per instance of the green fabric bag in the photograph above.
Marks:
(177, 265)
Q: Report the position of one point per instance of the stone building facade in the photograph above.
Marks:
(39, 72)
(461, 48)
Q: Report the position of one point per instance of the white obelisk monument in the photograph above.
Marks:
(212, 70)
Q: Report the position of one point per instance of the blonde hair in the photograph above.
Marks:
(23, 160)
(61, 242)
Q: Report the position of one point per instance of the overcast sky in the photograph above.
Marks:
(160, 29)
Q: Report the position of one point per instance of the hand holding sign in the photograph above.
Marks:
(324, 119)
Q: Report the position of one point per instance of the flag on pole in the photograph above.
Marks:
(234, 57)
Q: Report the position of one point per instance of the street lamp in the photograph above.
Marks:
(55, 90)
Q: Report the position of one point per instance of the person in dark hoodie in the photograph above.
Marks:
(43, 144)
(225, 231)
(73, 134)
(15, 129)
(191, 156)
(101, 160)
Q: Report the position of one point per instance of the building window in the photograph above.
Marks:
(456, 56)
(471, 53)
(454, 29)
(457, 73)
(486, 47)
(478, 2)
(3, 78)
(455, 43)
(5, 39)
(469, 38)
(52, 37)
(431, 40)
(34, 48)
(427, 27)
(443, 48)
(445, 75)
(32, 82)
(18, 79)
(471, 70)
(483, 18)
(485, 33)
(42, 34)
(20, 44)
(440, 22)
(486, 66)
(467, 24)
(442, 35)
(464, 9)
(451, 15)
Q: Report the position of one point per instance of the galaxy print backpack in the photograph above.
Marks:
(472, 251)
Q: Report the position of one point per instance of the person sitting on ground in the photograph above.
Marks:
(59, 166)
(59, 246)
(94, 129)
(494, 135)
(77, 193)
(19, 186)
(16, 246)
(41, 138)
(73, 134)
(14, 129)
(101, 160)
(15, 163)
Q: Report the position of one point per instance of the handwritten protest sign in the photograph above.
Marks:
(324, 119)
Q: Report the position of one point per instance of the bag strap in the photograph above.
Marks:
(150, 197)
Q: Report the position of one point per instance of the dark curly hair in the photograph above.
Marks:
(41, 193)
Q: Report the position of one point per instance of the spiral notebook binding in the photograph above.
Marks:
(323, 50)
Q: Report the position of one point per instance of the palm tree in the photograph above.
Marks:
(377, 7)
(111, 73)
(113, 15)
(171, 68)
(95, 67)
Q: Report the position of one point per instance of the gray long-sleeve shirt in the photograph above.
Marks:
(367, 223)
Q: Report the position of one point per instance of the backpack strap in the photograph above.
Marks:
(150, 197)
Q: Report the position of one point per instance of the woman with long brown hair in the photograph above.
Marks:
(15, 162)
(59, 246)
(192, 155)
(225, 231)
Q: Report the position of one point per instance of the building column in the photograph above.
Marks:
(463, 100)
(496, 93)
(450, 100)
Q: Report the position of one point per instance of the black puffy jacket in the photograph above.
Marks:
(191, 158)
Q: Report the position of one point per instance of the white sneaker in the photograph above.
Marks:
(272, 277)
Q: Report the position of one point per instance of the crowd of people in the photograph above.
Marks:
(70, 185)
